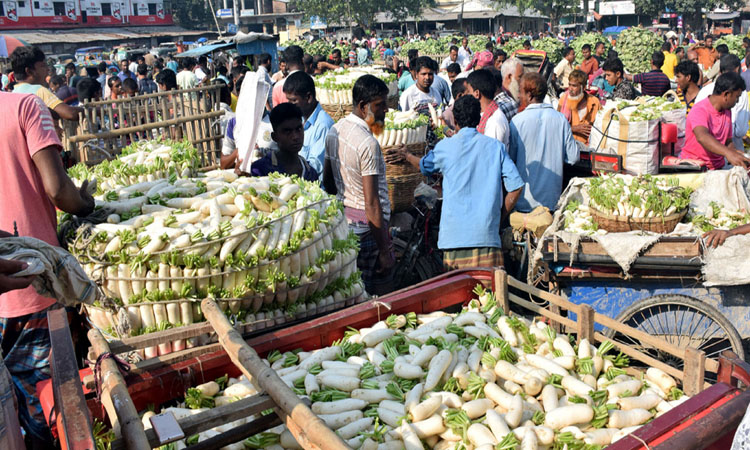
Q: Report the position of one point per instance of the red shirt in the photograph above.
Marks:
(27, 128)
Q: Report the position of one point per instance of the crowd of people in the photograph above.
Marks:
(509, 133)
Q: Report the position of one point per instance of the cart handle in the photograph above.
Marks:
(733, 369)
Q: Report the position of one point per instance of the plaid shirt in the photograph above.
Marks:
(507, 104)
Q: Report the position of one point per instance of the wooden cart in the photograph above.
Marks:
(709, 418)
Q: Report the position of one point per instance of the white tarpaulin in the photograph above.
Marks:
(250, 107)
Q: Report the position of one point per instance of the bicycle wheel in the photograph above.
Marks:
(682, 321)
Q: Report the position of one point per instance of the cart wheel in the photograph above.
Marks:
(682, 321)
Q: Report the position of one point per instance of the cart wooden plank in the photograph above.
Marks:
(667, 248)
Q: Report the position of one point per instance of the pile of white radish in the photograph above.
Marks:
(251, 242)
(142, 161)
(335, 87)
(637, 197)
(403, 128)
(474, 380)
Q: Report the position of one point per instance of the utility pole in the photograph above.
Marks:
(236, 4)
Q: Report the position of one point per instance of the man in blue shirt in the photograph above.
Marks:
(475, 168)
(299, 89)
(540, 141)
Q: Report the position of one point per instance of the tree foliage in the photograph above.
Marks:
(360, 11)
(555, 9)
(691, 10)
(192, 14)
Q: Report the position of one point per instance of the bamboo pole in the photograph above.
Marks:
(308, 429)
(114, 387)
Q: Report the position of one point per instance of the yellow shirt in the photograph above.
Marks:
(233, 106)
(670, 62)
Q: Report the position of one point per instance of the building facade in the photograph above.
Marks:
(29, 14)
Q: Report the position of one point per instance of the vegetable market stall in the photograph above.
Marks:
(666, 283)
(272, 251)
(708, 417)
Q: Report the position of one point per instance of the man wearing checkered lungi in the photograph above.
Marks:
(355, 171)
(475, 168)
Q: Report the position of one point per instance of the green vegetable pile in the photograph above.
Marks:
(552, 46)
(638, 197)
(429, 46)
(635, 46)
(652, 109)
(734, 42)
(513, 44)
(716, 217)
(591, 39)
(318, 47)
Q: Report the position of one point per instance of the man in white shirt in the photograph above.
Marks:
(741, 110)
(422, 91)
(451, 58)
(464, 54)
(565, 66)
(200, 70)
(482, 85)
(186, 79)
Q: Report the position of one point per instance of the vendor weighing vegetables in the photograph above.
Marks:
(475, 168)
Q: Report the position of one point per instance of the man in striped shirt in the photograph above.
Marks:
(655, 82)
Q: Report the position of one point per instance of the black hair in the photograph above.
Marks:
(236, 71)
(458, 87)
(57, 79)
(293, 55)
(422, 62)
(657, 58)
(264, 58)
(689, 69)
(722, 49)
(284, 112)
(102, 67)
(335, 51)
(453, 68)
(88, 89)
(489, 45)
(221, 69)
(586, 47)
(484, 82)
(612, 54)
(566, 51)
(168, 78)
(729, 63)
(307, 61)
(225, 96)
(299, 83)
(367, 88)
(453, 47)
(496, 74)
(499, 52)
(411, 54)
(467, 111)
(129, 85)
(600, 43)
(111, 80)
(526, 42)
(70, 65)
(728, 82)
(187, 63)
(613, 65)
(142, 69)
(746, 40)
(24, 58)
(665, 47)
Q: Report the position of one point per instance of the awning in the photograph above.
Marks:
(723, 15)
(204, 50)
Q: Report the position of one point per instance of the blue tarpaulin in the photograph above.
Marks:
(614, 30)
(200, 51)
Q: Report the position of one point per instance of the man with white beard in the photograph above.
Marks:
(510, 91)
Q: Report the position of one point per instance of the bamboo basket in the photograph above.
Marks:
(404, 168)
(619, 224)
(337, 112)
(401, 190)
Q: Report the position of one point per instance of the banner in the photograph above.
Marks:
(92, 8)
(11, 10)
(116, 11)
(70, 10)
(142, 9)
(160, 10)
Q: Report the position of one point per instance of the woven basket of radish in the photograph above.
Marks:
(253, 243)
(335, 88)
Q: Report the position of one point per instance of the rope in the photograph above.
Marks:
(641, 441)
(70, 226)
(378, 304)
(122, 366)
